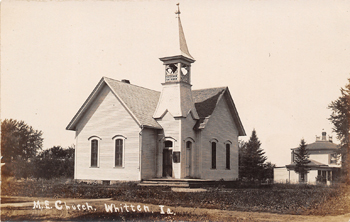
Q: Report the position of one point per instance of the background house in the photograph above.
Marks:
(325, 163)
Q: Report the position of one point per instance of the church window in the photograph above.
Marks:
(213, 155)
(227, 156)
(94, 152)
(118, 152)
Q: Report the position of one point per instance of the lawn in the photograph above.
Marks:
(278, 198)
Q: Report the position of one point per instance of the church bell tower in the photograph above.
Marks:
(176, 96)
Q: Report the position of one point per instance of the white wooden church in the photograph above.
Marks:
(130, 133)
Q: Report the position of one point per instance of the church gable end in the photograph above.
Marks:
(206, 101)
(115, 154)
(222, 129)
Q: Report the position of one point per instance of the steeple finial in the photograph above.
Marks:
(178, 10)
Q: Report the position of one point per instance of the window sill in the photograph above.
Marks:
(118, 167)
(213, 168)
(94, 167)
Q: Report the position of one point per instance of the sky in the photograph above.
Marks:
(283, 61)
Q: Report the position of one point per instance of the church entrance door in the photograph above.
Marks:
(168, 159)
(167, 163)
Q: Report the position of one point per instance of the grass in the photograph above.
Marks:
(278, 198)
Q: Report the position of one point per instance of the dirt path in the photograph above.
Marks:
(23, 208)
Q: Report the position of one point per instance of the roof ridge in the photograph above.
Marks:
(130, 84)
(222, 87)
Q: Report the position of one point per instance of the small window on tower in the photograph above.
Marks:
(171, 69)
(184, 69)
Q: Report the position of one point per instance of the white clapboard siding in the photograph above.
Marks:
(106, 118)
(188, 134)
(221, 126)
(149, 147)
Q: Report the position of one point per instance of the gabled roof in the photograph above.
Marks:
(141, 103)
(206, 101)
(138, 101)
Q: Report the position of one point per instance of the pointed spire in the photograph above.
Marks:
(183, 44)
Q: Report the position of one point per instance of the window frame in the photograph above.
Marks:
(115, 138)
(97, 139)
(213, 154)
(189, 141)
(228, 145)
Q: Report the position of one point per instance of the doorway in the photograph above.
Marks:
(167, 159)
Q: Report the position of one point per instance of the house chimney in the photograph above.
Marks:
(330, 139)
(324, 136)
(126, 81)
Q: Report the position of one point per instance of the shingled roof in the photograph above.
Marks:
(138, 101)
(141, 103)
(206, 101)
(321, 145)
(312, 163)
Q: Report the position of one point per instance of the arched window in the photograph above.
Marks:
(94, 152)
(188, 158)
(119, 152)
(228, 146)
(213, 155)
(188, 144)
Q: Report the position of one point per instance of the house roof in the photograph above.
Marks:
(141, 103)
(321, 145)
(312, 165)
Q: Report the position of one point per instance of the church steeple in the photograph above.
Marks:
(176, 96)
(178, 66)
(182, 39)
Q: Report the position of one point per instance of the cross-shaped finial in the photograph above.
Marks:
(178, 10)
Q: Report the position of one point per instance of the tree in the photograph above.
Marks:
(340, 118)
(268, 171)
(242, 147)
(54, 162)
(301, 160)
(252, 159)
(19, 140)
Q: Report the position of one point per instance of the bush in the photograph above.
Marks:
(52, 163)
